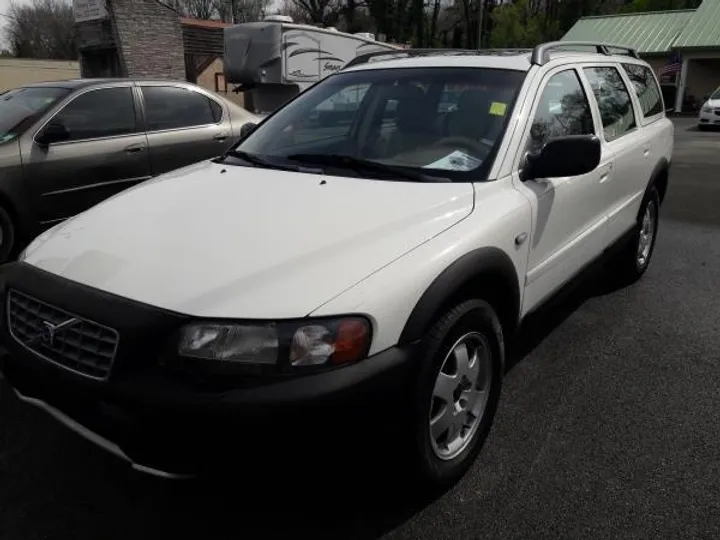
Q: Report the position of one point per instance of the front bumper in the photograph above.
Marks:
(711, 118)
(174, 423)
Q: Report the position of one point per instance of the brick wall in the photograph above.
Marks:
(150, 39)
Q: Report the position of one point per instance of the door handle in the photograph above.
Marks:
(605, 174)
(646, 151)
(220, 137)
(134, 148)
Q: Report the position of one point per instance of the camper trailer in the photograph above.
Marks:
(274, 60)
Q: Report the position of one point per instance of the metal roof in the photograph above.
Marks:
(647, 33)
(703, 29)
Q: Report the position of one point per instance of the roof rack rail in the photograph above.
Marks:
(412, 53)
(541, 53)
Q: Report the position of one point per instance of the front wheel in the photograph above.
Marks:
(458, 390)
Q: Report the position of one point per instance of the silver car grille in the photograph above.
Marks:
(70, 341)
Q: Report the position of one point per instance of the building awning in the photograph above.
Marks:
(648, 33)
(703, 29)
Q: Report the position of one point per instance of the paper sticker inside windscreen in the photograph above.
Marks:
(498, 108)
(456, 161)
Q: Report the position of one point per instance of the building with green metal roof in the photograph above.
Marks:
(682, 46)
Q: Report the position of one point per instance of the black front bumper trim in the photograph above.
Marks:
(96, 439)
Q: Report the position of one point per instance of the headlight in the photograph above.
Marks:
(706, 109)
(287, 345)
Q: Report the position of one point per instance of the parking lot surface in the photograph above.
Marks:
(609, 427)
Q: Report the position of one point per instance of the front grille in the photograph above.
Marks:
(68, 340)
(717, 112)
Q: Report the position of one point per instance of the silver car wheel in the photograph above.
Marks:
(460, 395)
(647, 234)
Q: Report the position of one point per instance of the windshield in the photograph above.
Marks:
(441, 122)
(715, 94)
(21, 107)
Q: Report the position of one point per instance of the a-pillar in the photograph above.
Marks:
(680, 94)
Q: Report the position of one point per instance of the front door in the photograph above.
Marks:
(184, 126)
(569, 214)
(103, 152)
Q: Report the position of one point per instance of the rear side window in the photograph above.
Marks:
(107, 112)
(563, 110)
(616, 110)
(646, 88)
(172, 107)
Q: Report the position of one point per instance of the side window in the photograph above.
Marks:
(106, 112)
(616, 110)
(172, 107)
(646, 88)
(563, 110)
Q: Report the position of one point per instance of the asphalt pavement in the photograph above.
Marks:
(608, 427)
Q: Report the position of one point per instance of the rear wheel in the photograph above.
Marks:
(457, 391)
(7, 235)
(635, 259)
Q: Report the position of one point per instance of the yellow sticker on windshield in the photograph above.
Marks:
(497, 108)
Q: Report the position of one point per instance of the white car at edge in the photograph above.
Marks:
(709, 115)
(375, 260)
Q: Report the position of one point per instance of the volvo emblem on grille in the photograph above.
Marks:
(48, 330)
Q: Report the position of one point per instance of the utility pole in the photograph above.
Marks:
(481, 9)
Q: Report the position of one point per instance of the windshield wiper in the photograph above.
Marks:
(350, 162)
(256, 160)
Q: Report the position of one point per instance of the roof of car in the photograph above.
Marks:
(513, 59)
(75, 84)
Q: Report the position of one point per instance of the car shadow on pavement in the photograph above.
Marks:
(598, 280)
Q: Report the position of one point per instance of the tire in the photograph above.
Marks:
(635, 259)
(7, 235)
(474, 325)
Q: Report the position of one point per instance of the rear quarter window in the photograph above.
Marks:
(646, 89)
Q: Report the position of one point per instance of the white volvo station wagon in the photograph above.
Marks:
(344, 260)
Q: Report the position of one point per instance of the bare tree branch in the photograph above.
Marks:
(43, 29)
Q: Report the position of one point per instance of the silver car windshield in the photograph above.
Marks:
(20, 107)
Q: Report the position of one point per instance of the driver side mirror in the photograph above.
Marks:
(571, 155)
(53, 133)
(247, 129)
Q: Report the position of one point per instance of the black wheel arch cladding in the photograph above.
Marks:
(659, 179)
(487, 262)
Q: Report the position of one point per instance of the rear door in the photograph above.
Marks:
(106, 151)
(623, 134)
(184, 126)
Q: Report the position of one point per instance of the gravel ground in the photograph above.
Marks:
(608, 428)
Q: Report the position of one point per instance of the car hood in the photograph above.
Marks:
(218, 240)
(712, 103)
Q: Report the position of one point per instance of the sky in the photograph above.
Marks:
(4, 9)
(5, 5)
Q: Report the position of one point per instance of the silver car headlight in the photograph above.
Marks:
(706, 109)
(286, 345)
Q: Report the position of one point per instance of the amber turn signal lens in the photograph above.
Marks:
(351, 341)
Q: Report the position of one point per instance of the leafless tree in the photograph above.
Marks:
(245, 10)
(198, 9)
(42, 29)
(325, 12)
